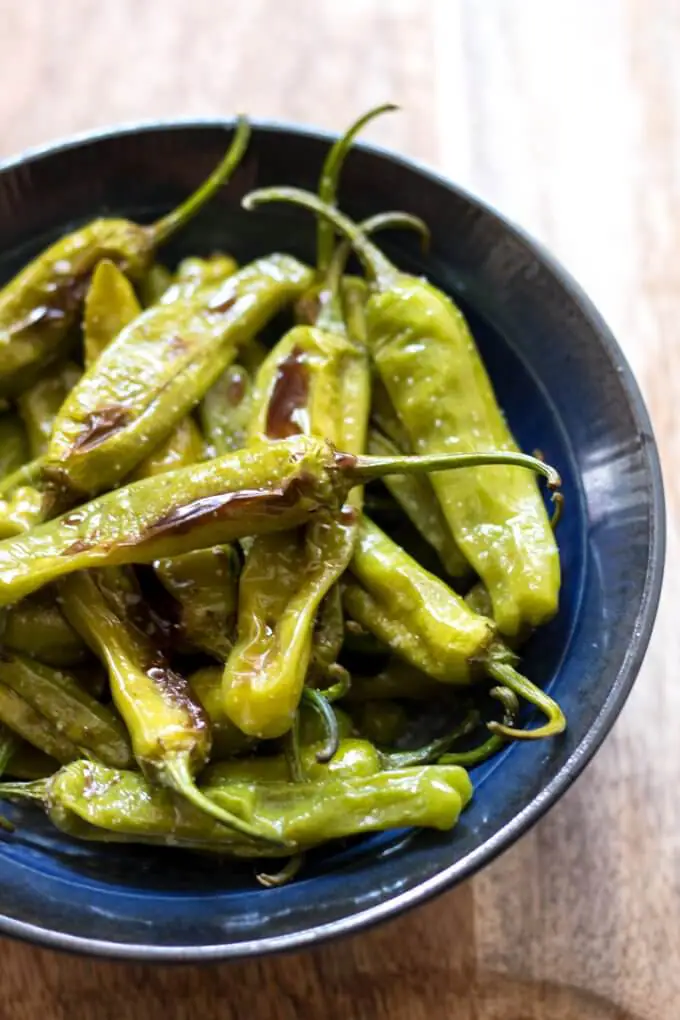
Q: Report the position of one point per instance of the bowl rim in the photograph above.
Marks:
(622, 683)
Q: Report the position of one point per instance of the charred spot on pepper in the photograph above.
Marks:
(177, 690)
(236, 390)
(100, 425)
(290, 394)
(183, 519)
(79, 546)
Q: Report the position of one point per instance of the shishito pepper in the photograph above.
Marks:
(37, 627)
(205, 585)
(422, 620)
(263, 488)
(427, 359)
(36, 700)
(155, 371)
(168, 729)
(93, 802)
(39, 307)
(110, 305)
(413, 612)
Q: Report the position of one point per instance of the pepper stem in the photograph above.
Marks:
(369, 468)
(322, 707)
(178, 777)
(468, 759)
(330, 175)
(287, 873)
(432, 751)
(163, 228)
(331, 313)
(524, 688)
(377, 265)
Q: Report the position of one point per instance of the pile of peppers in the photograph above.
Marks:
(258, 590)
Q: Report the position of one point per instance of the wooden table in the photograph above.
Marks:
(566, 115)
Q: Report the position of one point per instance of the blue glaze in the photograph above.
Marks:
(565, 388)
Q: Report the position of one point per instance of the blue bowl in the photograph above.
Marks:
(566, 388)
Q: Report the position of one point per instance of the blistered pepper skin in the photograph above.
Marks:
(155, 371)
(93, 802)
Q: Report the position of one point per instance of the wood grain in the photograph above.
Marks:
(567, 116)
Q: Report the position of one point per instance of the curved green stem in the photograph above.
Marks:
(510, 703)
(377, 265)
(370, 468)
(35, 790)
(330, 315)
(330, 175)
(291, 750)
(523, 688)
(288, 872)
(163, 228)
(558, 509)
(322, 707)
(341, 687)
(432, 751)
(468, 759)
(181, 781)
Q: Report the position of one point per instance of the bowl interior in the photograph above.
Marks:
(565, 389)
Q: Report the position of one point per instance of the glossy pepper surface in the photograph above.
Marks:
(204, 584)
(263, 488)
(155, 371)
(37, 627)
(428, 361)
(95, 802)
(39, 307)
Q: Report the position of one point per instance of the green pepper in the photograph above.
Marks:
(40, 306)
(64, 705)
(226, 409)
(182, 447)
(412, 611)
(268, 487)
(194, 273)
(353, 758)
(14, 445)
(40, 404)
(20, 511)
(154, 284)
(426, 623)
(93, 802)
(31, 725)
(205, 585)
(417, 499)
(227, 739)
(110, 305)
(36, 627)
(168, 729)
(154, 372)
(427, 359)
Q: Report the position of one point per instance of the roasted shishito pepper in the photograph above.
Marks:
(39, 307)
(267, 487)
(154, 373)
(93, 802)
(168, 729)
(434, 375)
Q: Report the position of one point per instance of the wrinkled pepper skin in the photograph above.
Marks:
(259, 489)
(154, 702)
(205, 585)
(40, 405)
(155, 371)
(37, 627)
(67, 708)
(91, 801)
(315, 382)
(412, 611)
(426, 357)
(14, 445)
(40, 306)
